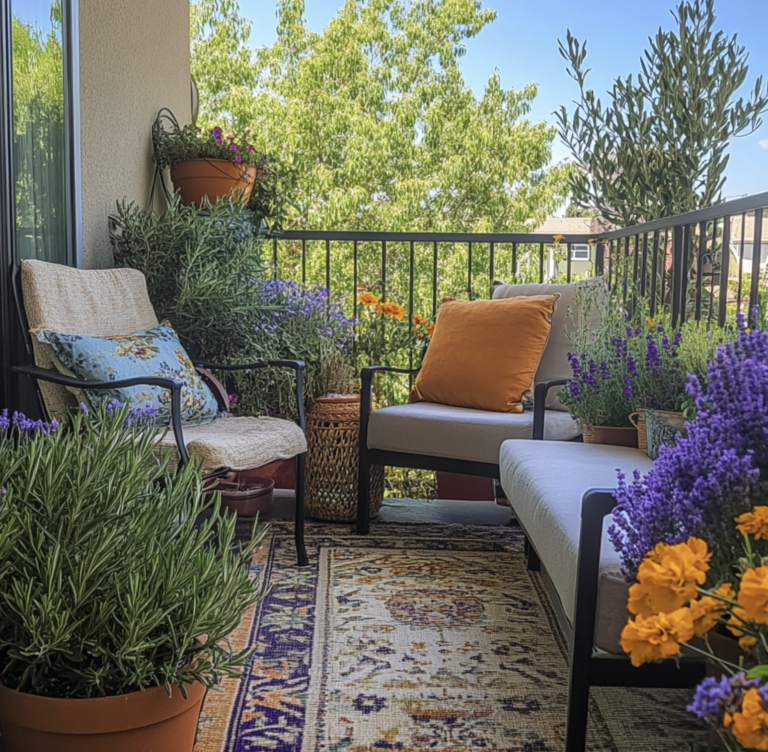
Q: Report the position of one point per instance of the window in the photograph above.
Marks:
(580, 252)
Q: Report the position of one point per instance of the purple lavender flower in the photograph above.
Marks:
(216, 132)
(710, 698)
(83, 408)
(114, 405)
(628, 394)
(232, 398)
(5, 421)
(3, 492)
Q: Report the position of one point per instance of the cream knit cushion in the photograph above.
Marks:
(96, 302)
(238, 443)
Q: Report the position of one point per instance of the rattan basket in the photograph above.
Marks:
(333, 428)
(638, 421)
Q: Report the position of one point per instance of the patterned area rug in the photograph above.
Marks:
(415, 638)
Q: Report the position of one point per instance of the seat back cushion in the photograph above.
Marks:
(94, 302)
(554, 361)
(484, 353)
(156, 352)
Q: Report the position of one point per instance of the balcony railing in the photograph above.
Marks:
(706, 264)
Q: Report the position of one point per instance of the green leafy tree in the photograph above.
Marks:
(659, 145)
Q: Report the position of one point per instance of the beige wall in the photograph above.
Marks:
(134, 59)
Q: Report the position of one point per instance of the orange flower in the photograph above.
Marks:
(750, 724)
(668, 577)
(745, 641)
(419, 320)
(368, 298)
(393, 310)
(707, 611)
(656, 637)
(650, 321)
(753, 595)
(754, 523)
(430, 329)
(558, 238)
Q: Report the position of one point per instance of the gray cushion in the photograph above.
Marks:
(545, 483)
(554, 361)
(458, 432)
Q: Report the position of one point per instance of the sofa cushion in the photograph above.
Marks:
(458, 432)
(484, 354)
(545, 483)
(554, 361)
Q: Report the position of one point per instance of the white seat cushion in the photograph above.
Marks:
(458, 433)
(545, 484)
(238, 443)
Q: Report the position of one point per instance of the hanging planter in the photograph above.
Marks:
(197, 179)
(136, 722)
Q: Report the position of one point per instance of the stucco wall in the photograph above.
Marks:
(134, 59)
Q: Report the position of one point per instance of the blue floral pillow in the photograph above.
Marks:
(157, 352)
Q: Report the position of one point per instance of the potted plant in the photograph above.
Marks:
(207, 165)
(115, 604)
(693, 538)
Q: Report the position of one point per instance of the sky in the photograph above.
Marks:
(522, 45)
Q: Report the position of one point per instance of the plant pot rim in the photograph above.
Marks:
(97, 715)
(239, 165)
(264, 486)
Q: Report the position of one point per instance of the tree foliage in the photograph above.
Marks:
(375, 116)
(659, 145)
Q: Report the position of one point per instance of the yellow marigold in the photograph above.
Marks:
(393, 310)
(707, 611)
(650, 321)
(419, 320)
(368, 298)
(558, 238)
(734, 623)
(753, 595)
(669, 577)
(657, 637)
(750, 724)
(430, 329)
(754, 523)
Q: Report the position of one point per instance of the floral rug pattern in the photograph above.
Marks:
(414, 638)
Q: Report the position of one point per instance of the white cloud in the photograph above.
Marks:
(763, 143)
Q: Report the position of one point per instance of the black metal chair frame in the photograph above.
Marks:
(38, 374)
(368, 457)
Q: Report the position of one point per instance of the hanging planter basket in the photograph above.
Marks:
(196, 179)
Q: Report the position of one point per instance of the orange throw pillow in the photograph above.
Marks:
(484, 353)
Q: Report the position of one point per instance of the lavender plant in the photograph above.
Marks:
(106, 579)
(719, 470)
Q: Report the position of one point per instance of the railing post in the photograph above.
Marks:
(600, 259)
(757, 247)
(725, 260)
(677, 272)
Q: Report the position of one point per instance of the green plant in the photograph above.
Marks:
(659, 146)
(106, 578)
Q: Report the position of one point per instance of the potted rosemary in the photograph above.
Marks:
(115, 603)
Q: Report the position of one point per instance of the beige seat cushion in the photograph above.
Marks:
(545, 484)
(96, 302)
(554, 363)
(238, 443)
(458, 433)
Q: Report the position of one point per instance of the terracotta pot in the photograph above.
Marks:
(464, 487)
(283, 472)
(146, 721)
(214, 178)
(245, 495)
(626, 437)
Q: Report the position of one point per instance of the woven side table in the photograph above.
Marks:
(333, 429)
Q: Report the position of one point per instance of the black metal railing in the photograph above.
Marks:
(705, 265)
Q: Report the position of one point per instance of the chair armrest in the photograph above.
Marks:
(295, 365)
(216, 387)
(174, 385)
(366, 394)
(540, 392)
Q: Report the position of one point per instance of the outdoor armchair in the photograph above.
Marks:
(114, 302)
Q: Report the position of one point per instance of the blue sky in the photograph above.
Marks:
(522, 44)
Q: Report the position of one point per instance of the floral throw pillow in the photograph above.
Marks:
(157, 352)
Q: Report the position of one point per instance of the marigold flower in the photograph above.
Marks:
(707, 611)
(650, 321)
(754, 523)
(669, 577)
(393, 310)
(657, 637)
(753, 595)
(368, 298)
(750, 724)
(419, 320)
(558, 238)
(430, 329)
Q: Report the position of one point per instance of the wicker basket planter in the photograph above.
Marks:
(333, 429)
(612, 435)
(638, 421)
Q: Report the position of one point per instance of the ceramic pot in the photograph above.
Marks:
(146, 721)
(214, 178)
(662, 429)
(626, 437)
(245, 495)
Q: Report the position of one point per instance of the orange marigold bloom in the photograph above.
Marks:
(753, 595)
(430, 329)
(392, 310)
(734, 623)
(707, 611)
(669, 577)
(368, 298)
(754, 523)
(657, 637)
(750, 724)
(419, 320)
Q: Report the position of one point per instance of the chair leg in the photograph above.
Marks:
(363, 495)
(301, 549)
(532, 561)
(578, 709)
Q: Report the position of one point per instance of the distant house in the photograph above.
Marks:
(742, 243)
(582, 254)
